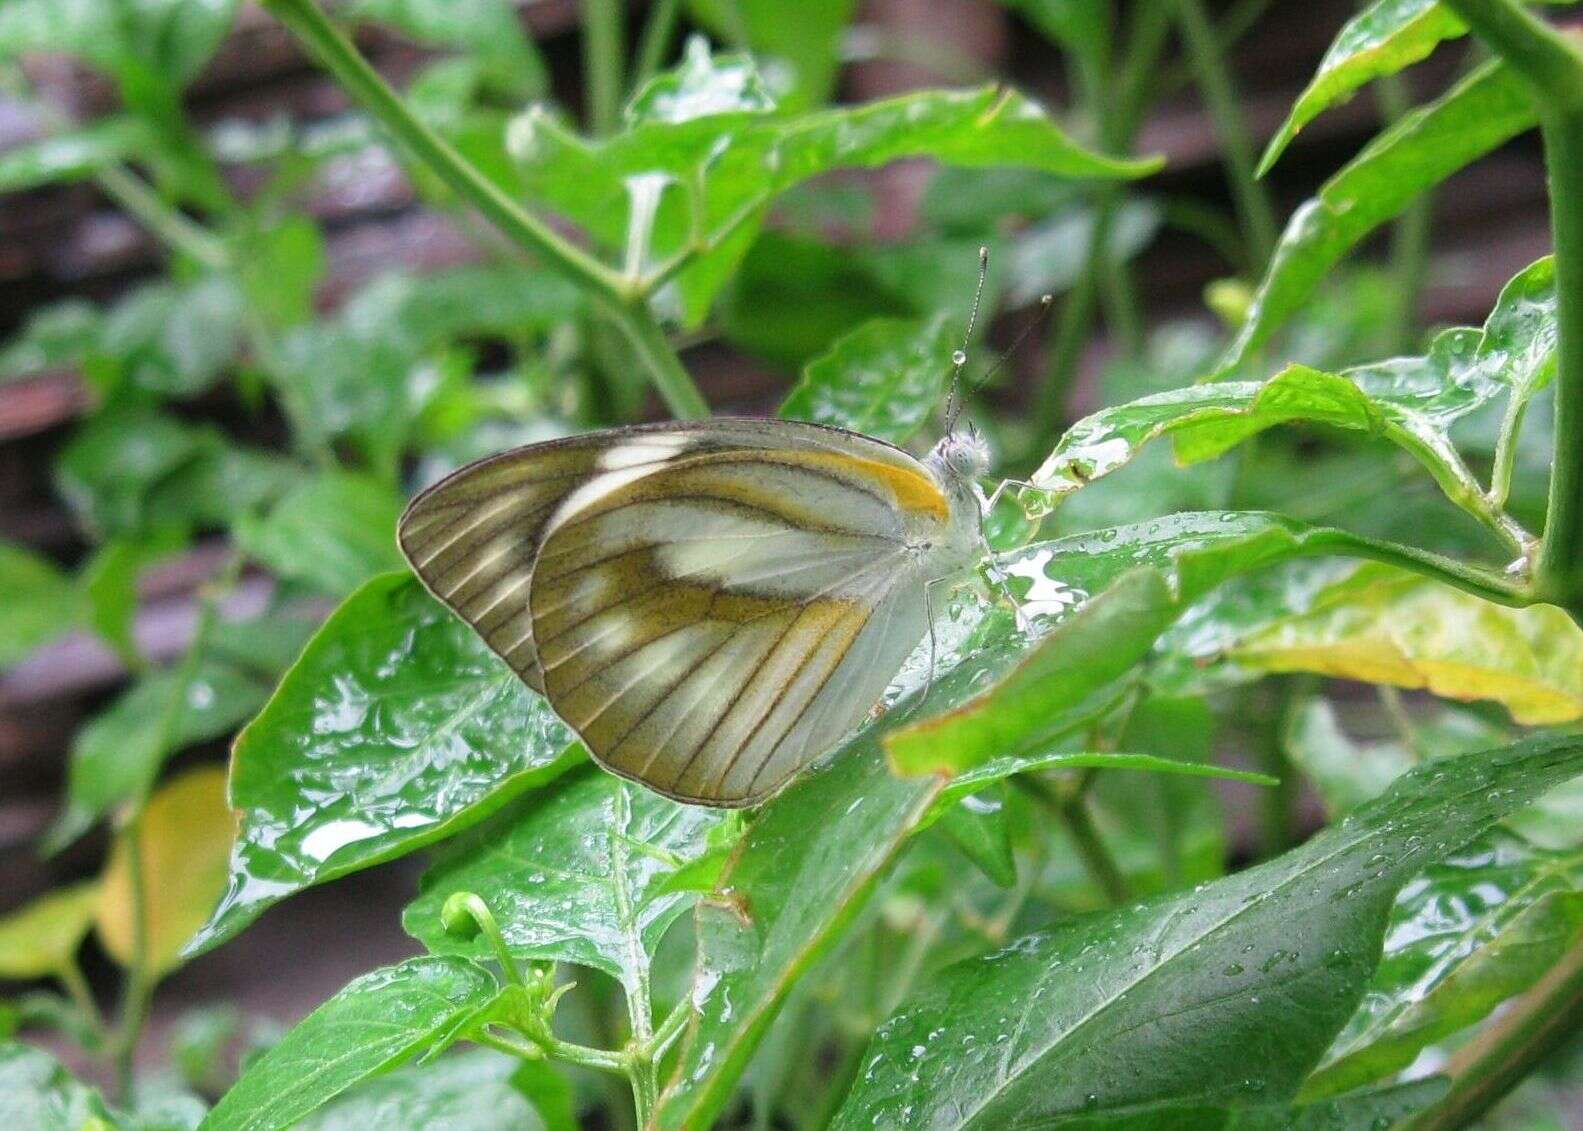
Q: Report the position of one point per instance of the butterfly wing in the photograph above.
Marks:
(712, 625)
(472, 536)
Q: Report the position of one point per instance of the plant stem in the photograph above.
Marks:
(1553, 66)
(1070, 804)
(76, 986)
(655, 41)
(1220, 99)
(140, 982)
(610, 292)
(162, 219)
(1483, 1071)
(604, 61)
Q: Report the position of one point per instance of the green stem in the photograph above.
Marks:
(1220, 99)
(140, 981)
(1553, 65)
(162, 219)
(70, 977)
(1070, 805)
(604, 60)
(1498, 1059)
(655, 42)
(612, 294)
(1410, 236)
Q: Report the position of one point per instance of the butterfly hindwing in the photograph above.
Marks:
(714, 625)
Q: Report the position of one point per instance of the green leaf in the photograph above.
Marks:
(806, 39)
(117, 756)
(332, 532)
(1386, 37)
(36, 1093)
(1383, 625)
(1377, 1108)
(883, 379)
(1475, 929)
(579, 874)
(1090, 1019)
(1064, 680)
(372, 1025)
(41, 602)
(279, 269)
(42, 937)
(470, 1091)
(114, 461)
(54, 337)
(183, 834)
(71, 155)
(490, 29)
(1081, 26)
(176, 339)
(109, 585)
(395, 728)
(167, 37)
(716, 173)
(1491, 106)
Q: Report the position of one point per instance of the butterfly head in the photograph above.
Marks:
(963, 454)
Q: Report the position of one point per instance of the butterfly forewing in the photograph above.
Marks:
(710, 606)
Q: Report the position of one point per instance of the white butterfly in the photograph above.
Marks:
(711, 606)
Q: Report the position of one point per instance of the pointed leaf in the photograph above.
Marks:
(469, 1091)
(117, 756)
(576, 875)
(1489, 107)
(40, 602)
(332, 532)
(185, 832)
(377, 1022)
(1383, 625)
(395, 728)
(1090, 1020)
(42, 937)
(1472, 931)
(884, 379)
(1386, 37)
(71, 155)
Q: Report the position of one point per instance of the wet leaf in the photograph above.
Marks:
(578, 874)
(716, 172)
(1376, 1108)
(395, 728)
(1383, 625)
(1386, 37)
(1486, 109)
(804, 41)
(116, 756)
(185, 832)
(372, 1025)
(1061, 682)
(1089, 1020)
(42, 937)
(38, 1094)
(469, 1091)
(332, 532)
(41, 602)
(1469, 933)
(884, 379)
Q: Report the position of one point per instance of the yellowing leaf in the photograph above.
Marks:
(41, 937)
(187, 830)
(1383, 625)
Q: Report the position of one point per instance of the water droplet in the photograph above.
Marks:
(958, 357)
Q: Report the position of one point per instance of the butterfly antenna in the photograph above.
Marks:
(1046, 304)
(953, 400)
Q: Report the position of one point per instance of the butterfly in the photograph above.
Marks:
(711, 605)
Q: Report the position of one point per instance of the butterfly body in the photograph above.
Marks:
(711, 606)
